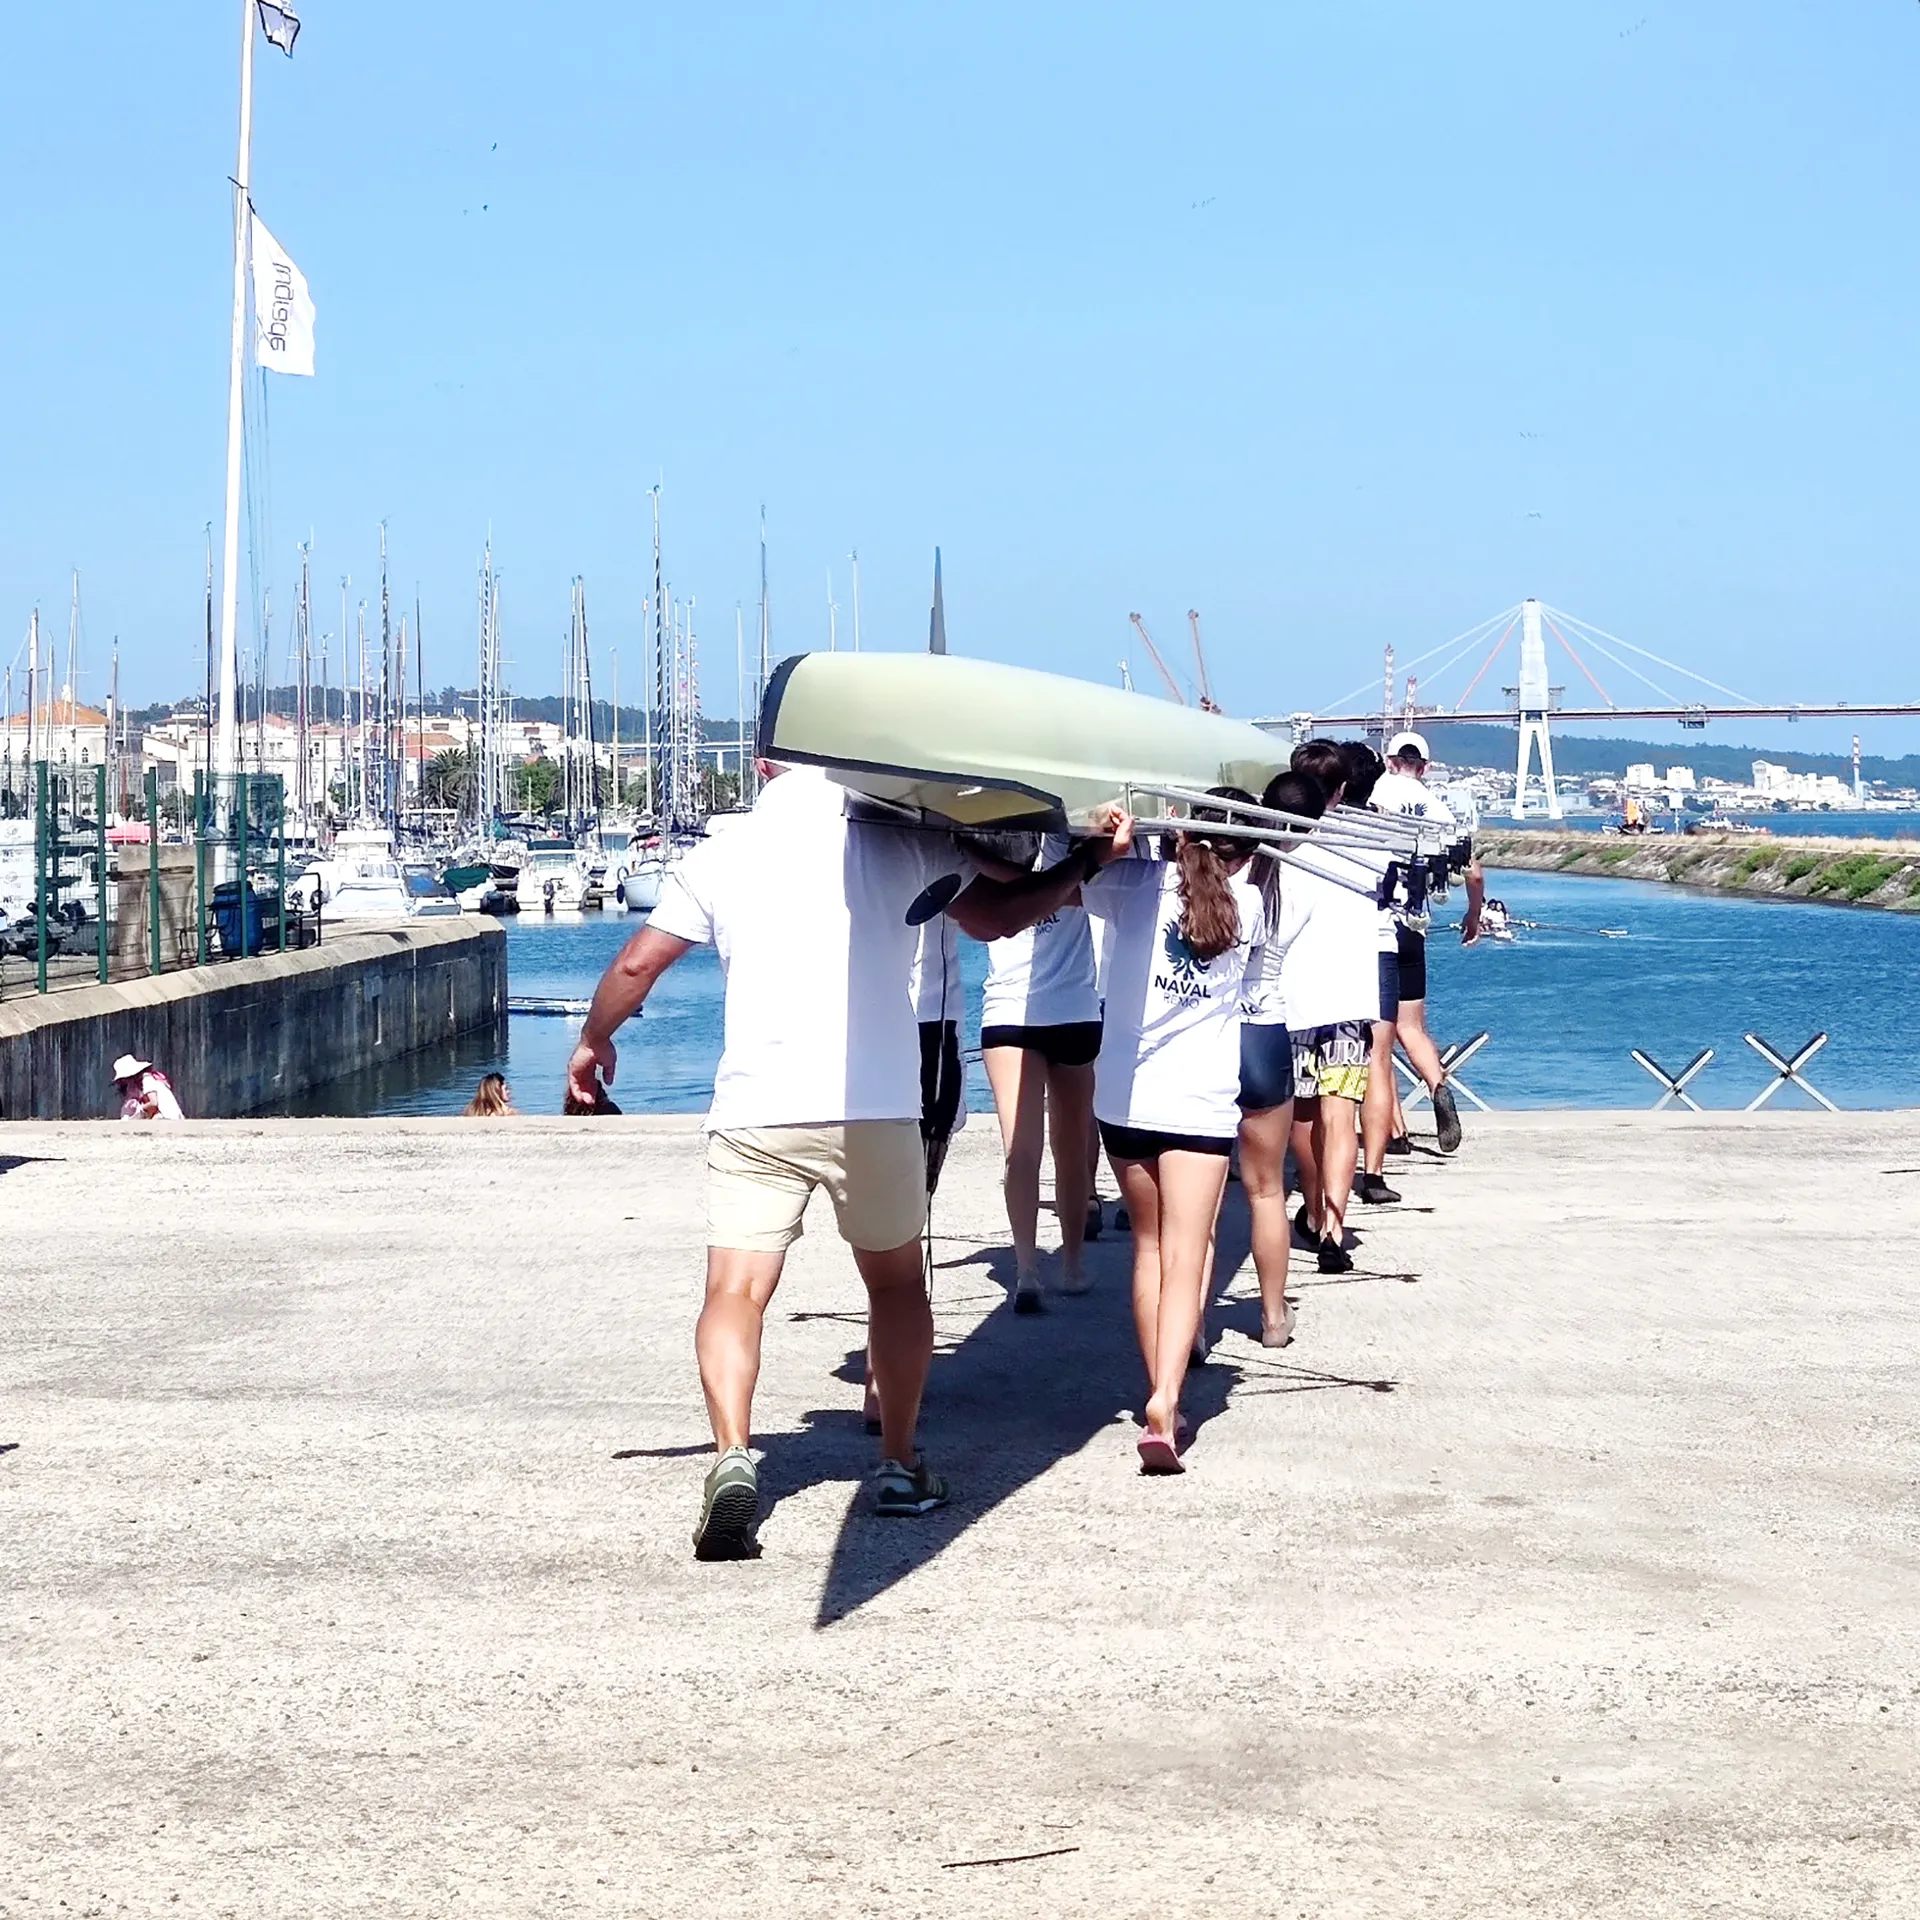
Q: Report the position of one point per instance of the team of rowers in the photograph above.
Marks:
(1180, 998)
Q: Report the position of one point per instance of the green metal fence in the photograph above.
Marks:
(72, 906)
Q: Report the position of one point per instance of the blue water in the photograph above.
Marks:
(1563, 1005)
(1828, 826)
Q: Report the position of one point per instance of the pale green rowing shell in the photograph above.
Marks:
(976, 742)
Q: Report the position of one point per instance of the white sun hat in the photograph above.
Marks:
(128, 1068)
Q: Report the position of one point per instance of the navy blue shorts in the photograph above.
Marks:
(1390, 986)
(1413, 964)
(1266, 1067)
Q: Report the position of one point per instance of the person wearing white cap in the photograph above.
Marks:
(1402, 789)
(145, 1092)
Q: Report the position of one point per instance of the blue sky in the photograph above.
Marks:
(1344, 324)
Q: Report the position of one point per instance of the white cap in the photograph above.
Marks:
(128, 1068)
(1415, 743)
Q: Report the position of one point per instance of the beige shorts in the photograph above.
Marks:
(759, 1180)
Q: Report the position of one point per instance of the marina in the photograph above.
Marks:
(955, 1259)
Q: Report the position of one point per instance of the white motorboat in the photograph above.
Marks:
(363, 879)
(554, 878)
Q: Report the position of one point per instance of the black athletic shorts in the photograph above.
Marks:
(1413, 964)
(1390, 986)
(1076, 1043)
(1266, 1067)
(940, 1080)
(1145, 1143)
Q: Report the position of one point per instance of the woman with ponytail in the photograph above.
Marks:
(1166, 1085)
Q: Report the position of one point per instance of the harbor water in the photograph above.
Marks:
(1609, 965)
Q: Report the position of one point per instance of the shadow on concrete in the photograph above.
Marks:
(9, 1446)
(1010, 1398)
(8, 1161)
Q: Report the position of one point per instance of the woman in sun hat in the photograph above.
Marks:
(145, 1092)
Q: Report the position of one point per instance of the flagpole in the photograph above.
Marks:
(229, 745)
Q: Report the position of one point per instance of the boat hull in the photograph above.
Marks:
(979, 744)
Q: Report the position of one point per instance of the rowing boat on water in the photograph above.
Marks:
(981, 744)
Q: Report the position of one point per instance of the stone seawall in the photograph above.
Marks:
(1859, 873)
(246, 1035)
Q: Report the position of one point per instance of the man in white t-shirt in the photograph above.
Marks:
(818, 1086)
(1402, 789)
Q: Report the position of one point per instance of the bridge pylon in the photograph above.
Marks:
(1535, 703)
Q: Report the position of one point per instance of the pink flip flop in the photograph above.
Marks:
(1158, 1455)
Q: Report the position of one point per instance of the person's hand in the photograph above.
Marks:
(1113, 824)
(590, 1057)
(1470, 929)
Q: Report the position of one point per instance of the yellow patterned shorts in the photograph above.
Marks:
(1332, 1060)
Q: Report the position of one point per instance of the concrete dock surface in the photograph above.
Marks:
(1565, 1565)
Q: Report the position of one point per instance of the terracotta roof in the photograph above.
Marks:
(60, 713)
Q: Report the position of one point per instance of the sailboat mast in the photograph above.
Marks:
(661, 798)
(33, 684)
(364, 812)
(113, 731)
(73, 675)
(760, 679)
(739, 706)
(420, 703)
(236, 387)
(303, 666)
(326, 792)
(586, 696)
(387, 796)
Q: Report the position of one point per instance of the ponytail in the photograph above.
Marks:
(1209, 914)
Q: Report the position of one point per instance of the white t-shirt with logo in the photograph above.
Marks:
(1327, 943)
(1170, 1056)
(807, 910)
(1044, 976)
(1402, 793)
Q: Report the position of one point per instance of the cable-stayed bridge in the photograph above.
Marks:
(1530, 706)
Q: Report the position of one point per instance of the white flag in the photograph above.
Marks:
(280, 24)
(282, 307)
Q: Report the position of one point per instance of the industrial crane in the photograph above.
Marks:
(1166, 673)
(1208, 704)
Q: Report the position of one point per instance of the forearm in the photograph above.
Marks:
(992, 909)
(624, 987)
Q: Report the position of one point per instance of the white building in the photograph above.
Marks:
(1800, 789)
(1680, 780)
(62, 732)
(1641, 777)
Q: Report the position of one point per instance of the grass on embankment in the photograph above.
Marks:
(1881, 874)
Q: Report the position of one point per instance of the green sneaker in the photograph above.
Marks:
(728, 1509)
(905, 1492)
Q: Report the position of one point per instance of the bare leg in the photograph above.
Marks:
(1019, 1082)
(1188, 1192)
(899, 1341)
(1305, 1158)
(1140, 1193)
(1337, 1147)
(1418, 1045)
(727, 1339)
(1263, 1173)
(1376, 1111)
(1070, 1127)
